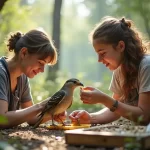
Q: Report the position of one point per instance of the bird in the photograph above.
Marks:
(59, 101)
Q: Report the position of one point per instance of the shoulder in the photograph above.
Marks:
(3, 71)
(23, 80)
(144, 66)
(145, 61)
(24, 77)
(117, 72)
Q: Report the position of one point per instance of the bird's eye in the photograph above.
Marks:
(74, 81)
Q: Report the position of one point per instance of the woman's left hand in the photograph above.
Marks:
(61, 117)
(91, 95)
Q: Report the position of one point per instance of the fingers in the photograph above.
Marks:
(73, 115)
(85, 96)
(60, 117)
(63, 114)
(76, 114)
(86, 92)
(80, 116)
(88, 88)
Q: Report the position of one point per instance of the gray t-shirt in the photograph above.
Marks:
(22, 92)
(142, 82)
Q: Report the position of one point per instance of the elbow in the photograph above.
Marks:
(143, 120)
(143, 123)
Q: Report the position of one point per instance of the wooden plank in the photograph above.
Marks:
(146, 142)
(105, 139)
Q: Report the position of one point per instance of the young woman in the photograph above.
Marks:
(32, 51)
(121, 49)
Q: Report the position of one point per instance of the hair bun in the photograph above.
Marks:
(12, 40)
(125, 23)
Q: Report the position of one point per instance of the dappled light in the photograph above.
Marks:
(68, 24)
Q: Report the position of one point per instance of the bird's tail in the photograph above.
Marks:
(39, 121)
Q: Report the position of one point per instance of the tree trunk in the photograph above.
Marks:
(2, 2)
(52, 71)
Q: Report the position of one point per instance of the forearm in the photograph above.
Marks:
(132, 113)
(103, 116)
(46, 118)
(17, 117)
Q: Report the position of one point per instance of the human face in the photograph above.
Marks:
(31, 65)
(110, 57)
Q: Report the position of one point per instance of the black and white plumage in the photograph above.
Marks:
(60, 101)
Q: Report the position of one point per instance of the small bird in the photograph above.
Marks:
(60, 101)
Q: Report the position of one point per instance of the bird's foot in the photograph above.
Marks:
(63, 124)
(53, 124)
(78, 122)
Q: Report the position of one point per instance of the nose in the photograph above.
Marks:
(100, 58)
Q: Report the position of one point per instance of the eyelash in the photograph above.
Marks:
(102, 54)
(41, 63)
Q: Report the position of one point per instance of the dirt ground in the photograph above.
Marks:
(25, 137)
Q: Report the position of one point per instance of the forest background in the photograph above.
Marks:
(69, 23)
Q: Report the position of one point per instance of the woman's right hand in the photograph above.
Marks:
(80, 116)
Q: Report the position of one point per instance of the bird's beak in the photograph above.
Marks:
(80, 84)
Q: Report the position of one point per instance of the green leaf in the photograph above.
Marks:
(3, 120)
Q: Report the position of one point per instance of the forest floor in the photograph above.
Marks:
(25, 137)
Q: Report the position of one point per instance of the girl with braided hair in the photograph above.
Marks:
(120, 47)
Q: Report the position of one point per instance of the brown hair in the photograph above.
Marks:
(112, 30)
(36, 41)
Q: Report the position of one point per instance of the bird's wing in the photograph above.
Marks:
(53, 101)
(56, 98)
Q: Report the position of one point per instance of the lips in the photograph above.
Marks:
(35, 72)
(107, 64)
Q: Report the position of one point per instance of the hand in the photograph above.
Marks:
(61, 117)
(80, 115)
(91, 95)
(44, 102)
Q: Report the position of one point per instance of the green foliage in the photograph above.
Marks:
(132, 143)
(138, 11)
(12, 20)
(3, 120)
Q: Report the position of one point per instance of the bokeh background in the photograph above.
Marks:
(68, 23)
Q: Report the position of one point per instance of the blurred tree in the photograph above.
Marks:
(75, 44)
(138, 10)
(2, 2)
(56, 34)
(98, 9)
(8, 19)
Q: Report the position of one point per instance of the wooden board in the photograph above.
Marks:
(91, 137)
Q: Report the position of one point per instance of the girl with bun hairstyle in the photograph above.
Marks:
(32, 52)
